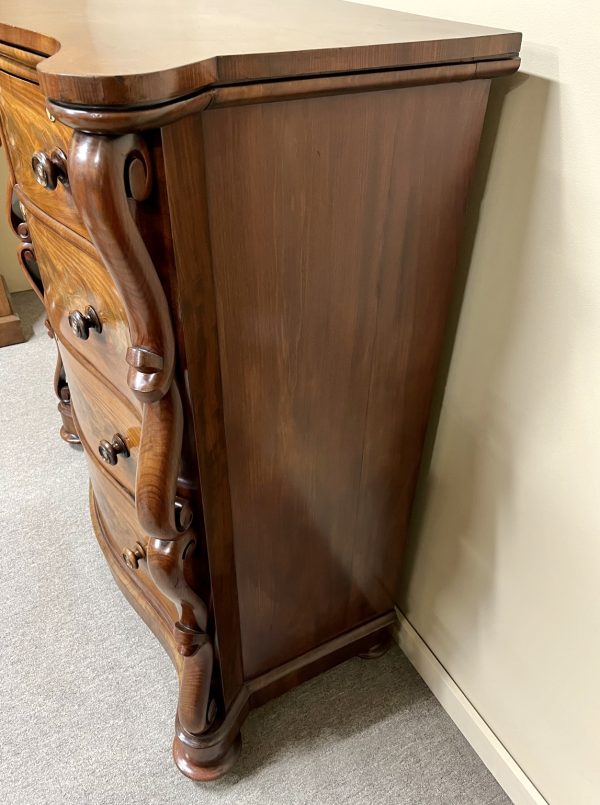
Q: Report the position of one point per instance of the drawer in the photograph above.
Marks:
(101, 412)
(122, 533)
(28, 130)
(74, 280)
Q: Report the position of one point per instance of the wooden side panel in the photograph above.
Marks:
(334, 229)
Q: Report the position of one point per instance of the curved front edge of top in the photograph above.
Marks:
(144, 53)
(123, 121)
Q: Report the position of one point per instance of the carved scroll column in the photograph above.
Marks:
(106, 174)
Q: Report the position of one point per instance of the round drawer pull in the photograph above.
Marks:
(50, 169)
(132, 557)
(110, 451)
(82, 323)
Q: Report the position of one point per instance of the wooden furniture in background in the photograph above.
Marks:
(11, 329)
(246, 218)
(25, 253)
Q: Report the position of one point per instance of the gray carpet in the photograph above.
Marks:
(88, 695)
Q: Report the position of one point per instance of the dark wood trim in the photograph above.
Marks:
(272, 91)
(105, 173)
(298, 670)
(187, 202)
(98, 167)
(121, 121)
(207, 756)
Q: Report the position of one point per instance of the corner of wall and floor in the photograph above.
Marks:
(500, 595)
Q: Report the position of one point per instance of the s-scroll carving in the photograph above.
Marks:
(105, 173)
(107, 176)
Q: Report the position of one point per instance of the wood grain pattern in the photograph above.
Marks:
(15, 67)
(104, 57)
(25, 57)
(121, 529)
(115, 525)
(28, 130)
(99, 167)
(19, 62)
(184, 164)
(331, 302)
(74, 278)
(101, 412)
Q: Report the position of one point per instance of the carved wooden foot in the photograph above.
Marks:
(204, 763)
(378, 650)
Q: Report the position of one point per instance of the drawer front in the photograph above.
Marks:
(123, 534)
(74, 281)
(102, 413)
(28, 131)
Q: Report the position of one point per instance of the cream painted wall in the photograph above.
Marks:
(9, 266)
(504, 581)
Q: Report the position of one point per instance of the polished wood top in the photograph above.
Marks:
(142, 52)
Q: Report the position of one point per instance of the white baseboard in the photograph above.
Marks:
(494, 755)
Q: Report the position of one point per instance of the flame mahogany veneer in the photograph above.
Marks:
(246, 219)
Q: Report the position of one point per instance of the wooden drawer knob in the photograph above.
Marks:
(49, 169)
(132, 557)
(110, 451)
(82, 323)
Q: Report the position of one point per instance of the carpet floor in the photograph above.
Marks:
(88, 695)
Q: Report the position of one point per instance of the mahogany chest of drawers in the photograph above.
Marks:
(246, 219)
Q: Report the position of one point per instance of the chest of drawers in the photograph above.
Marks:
(246, 221)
